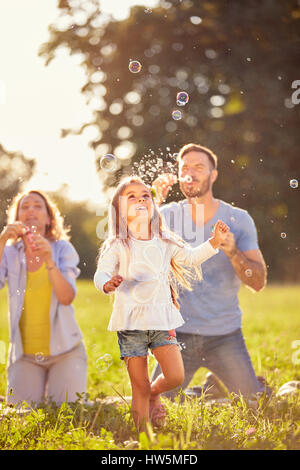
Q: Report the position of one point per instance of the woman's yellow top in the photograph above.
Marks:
(35, 318)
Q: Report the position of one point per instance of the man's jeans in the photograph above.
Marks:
(224, 355)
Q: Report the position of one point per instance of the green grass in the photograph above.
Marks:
(270, 325)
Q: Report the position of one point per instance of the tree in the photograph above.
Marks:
(237, 61)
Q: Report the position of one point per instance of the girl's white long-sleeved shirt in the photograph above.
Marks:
(143, 300)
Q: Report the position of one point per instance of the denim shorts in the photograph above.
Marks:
(135, 343)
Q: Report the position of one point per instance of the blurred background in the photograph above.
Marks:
(68, 98)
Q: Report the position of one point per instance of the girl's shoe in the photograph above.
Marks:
(157, 415)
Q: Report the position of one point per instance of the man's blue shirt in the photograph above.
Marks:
(212, 307)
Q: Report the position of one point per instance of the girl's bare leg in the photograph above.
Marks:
(138, 373)
(171, 363)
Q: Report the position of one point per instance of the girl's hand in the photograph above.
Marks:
(13, 231)
(228, 245)
(112, 284)
(220, 234)
(162, 186)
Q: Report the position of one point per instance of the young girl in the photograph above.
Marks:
(142, 262)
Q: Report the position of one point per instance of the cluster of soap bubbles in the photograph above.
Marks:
(109, 162)
(182, 99)
(154, 164)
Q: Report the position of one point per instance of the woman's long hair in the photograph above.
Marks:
(56, 230)
(118, 230)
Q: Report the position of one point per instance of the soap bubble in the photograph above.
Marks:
(39, 357)
(109, 163)
(182, 98)
(283, 235)
(135, 66)
(186, 179)
(103, 363)
(176, 115)
(294, 184)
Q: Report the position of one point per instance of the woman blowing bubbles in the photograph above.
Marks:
(141, 262)
(46, 350)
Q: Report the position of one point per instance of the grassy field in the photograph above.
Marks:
(271, 323)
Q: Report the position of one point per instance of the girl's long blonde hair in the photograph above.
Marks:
(56, 230)
(118, 230)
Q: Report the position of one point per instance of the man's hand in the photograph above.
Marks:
(162, 186)
(112, 284)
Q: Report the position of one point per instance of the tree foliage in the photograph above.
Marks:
(237, 61)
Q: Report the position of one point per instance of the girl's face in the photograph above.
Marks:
(136, 203)
(33, 212)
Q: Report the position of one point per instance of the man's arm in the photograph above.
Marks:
(247, 262)
(251, 268)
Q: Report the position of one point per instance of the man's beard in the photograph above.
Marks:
(195, 192)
